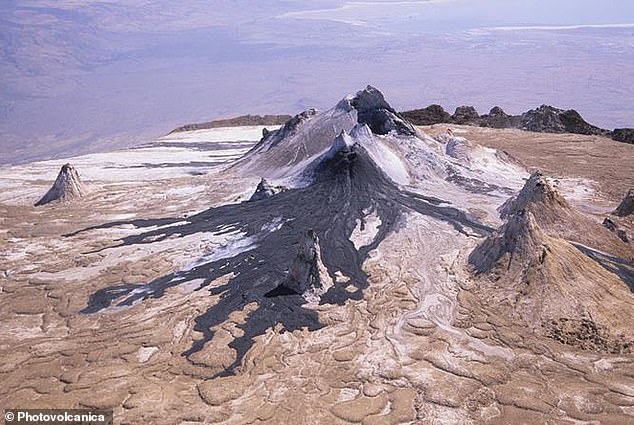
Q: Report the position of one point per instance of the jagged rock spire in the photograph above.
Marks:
(307, 275)
(68, 186)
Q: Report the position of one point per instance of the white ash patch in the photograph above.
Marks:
(145, 353)
(366, 230)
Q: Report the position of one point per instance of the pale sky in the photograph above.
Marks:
(85, 75)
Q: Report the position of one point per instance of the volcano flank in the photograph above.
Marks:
(344, 267)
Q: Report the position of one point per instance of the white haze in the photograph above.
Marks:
(84, 76)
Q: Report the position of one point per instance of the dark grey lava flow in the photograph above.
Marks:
(343, 187)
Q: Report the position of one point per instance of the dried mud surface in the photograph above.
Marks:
(420, 343)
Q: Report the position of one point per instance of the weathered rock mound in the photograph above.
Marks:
(497, 118)
(520, 238)
(433, 114)
(465, 115)
(549, 284)
(265, 190)
(559, 219)
(625, 135)
(307, 275)
(548, 119)
(458, 148)
(67, 187)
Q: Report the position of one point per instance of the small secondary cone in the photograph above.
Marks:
(626, 207)
(68, 186)
(307, 275)
(265, 190)
(558, 218)
(539, 197)
(554, 287)
(520, 237)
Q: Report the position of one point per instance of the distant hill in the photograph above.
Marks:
(240, 121)
(544, 119)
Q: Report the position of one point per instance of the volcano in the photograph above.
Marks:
(345, 265)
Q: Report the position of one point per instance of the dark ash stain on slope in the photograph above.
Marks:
(344, 187)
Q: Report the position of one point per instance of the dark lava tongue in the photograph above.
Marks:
(68, 186)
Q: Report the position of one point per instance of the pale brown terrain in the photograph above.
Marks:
(428, 340)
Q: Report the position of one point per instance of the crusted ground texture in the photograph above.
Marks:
(382, 273)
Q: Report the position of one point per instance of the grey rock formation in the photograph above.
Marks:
(612, 226)
(67, 187)
(265, 190)
(433, 114)
(544, 119)
(307, 275)
(497, 118)
(625, 135)
(626, 207)
(373, 110)
(465, 115)
(548, 119)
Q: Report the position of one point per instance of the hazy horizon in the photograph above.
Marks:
(82, 76)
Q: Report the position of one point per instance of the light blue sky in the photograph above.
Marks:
(84, 75)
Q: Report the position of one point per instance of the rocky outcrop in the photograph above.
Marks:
(613, 226)
(433, 114)
(625, 135)
(497, 118)
(465, 115)
(67, 187)
(307, 275)
(548, 119)
(265, 190)
(626, 207)
(373, 110)
(544, 119)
